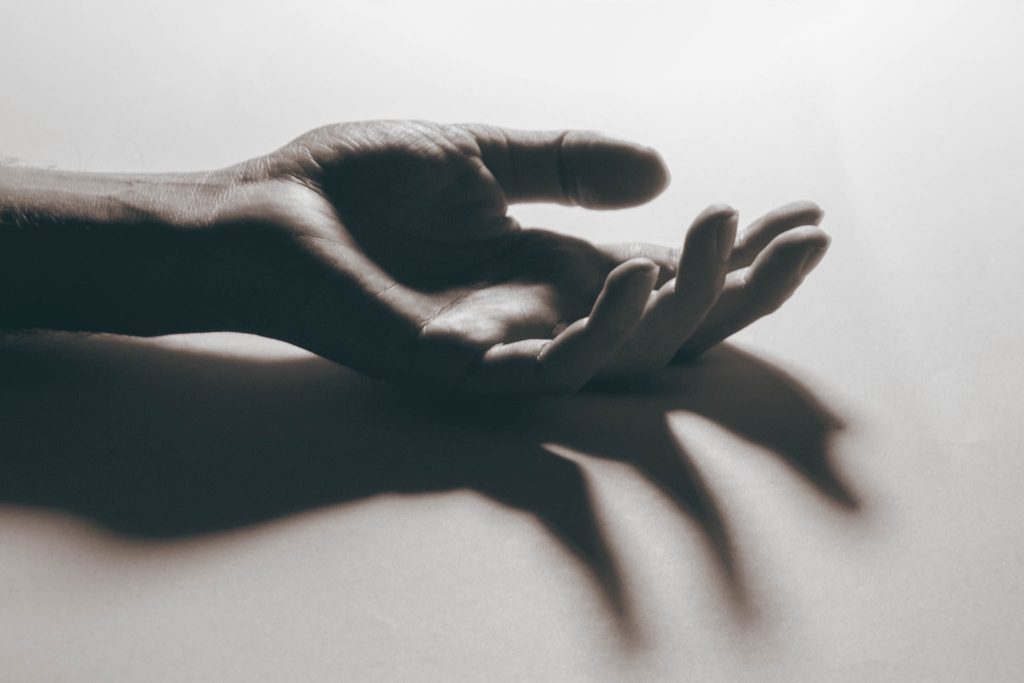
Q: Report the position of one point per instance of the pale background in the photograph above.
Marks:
(836, 497)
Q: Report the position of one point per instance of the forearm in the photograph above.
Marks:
(107, 253)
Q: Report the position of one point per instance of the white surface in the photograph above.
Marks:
(903, 122)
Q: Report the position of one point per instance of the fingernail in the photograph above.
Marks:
(650, 275)
(643, 273)
(727, 235)
(644, 264)
(813, 259)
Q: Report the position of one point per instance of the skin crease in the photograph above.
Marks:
(387, 246)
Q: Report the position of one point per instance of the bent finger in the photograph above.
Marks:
(760, 290)
(677, 308)
(759, 234)
(574, 357)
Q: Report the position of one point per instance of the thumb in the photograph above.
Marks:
(575, 167)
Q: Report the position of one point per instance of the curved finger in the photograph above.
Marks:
(581, 168)
(677, 308)
(666, 258)
(759, 234)
(761, 289)
(575, 356)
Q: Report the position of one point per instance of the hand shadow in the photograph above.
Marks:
(155, 441)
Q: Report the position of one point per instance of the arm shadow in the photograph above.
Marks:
(158, 441)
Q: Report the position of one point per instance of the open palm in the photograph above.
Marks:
(404, 262)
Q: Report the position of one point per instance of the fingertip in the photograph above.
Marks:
(645, 265)
(817, 238)
(609, 173)
(814, 256)
(712, 233)
(809, 211)
(803, 237)
(717, 211)
(789, 256)
(636, 278)
(726, 232)
(626, 290)
(638, 272)
(647, 278)
(655, 176)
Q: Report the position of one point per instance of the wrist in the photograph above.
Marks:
(109, 253)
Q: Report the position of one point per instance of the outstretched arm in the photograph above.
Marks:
(388, 246)
(129, 254)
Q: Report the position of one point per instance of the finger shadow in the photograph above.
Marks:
(159, 443)
(765, 405)
(627, 425)
(758, 401)
(153, 441)
(750, 397)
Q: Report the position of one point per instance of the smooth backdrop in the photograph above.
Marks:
(835, 496)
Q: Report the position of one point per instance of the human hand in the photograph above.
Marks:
(387, 246)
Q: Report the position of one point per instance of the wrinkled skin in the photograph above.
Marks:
(388, 246)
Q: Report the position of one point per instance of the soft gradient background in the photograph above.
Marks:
(835, 497)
